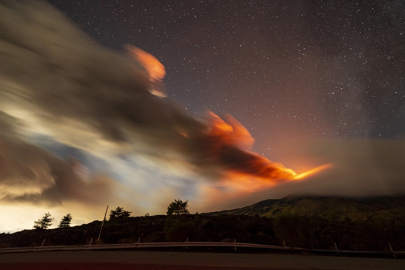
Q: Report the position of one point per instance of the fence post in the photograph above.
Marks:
(102, 224)
(186, 242)
(283, 244)
(392, 250)
(139, 240)
(234, 243)
(336, 248)
(91, 241)
(43, 242)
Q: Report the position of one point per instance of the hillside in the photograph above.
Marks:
(311, 222)
(294, 231)
(339, 208)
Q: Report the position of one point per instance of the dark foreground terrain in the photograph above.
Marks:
(368, 224)
(103, 260)
(295, 231)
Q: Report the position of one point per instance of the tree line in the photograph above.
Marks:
(178, 207)
(46, 221)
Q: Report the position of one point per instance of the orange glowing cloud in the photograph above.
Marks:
(155, 69)
(231, 133)
(246, 172)
(237, 186)
(230, 141)
(312, 172)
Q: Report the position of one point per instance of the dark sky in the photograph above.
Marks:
(284, 69)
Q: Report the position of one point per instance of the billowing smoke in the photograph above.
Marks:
(29, 173)
(55, 81)
(353, 168)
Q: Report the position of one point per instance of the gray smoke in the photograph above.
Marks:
(57, 82)
(360, 168)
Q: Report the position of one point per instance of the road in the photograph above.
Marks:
(153, 260)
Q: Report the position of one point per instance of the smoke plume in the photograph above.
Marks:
(55, 81)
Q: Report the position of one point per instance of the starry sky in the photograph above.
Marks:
(325, 69)
(313, 82)
(287, 70)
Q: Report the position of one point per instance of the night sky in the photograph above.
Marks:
(313, 82)
(324, 69)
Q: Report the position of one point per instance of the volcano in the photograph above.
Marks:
(339, 208)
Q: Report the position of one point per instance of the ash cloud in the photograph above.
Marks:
(31, 174)
(59, 83)
(361, 168)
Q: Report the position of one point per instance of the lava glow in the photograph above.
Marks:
(247, 170)
(313, 171)
(231, 141)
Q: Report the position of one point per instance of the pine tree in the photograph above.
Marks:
(119, 213)
(65, 222)
(178, 207)
(44, 222)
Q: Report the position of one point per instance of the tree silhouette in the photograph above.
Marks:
(119, 213)
(44, 222)
(178, 207)
(65, 222)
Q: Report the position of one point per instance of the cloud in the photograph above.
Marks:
(361, 167)
(29, 173)
(55, 81)
(59, 83)
(20, 172)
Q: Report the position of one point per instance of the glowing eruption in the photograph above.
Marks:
(246, 171)
(313, 171)
(233, 133)
(103, 106)
(231, 141)
(154, 68)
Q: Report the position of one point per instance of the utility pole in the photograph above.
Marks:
(102, 224)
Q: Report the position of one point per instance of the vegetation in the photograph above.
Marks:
(176, 226)
(65, 222)
(372, 233)
(178, 207)
(44, 223)
(294, 230)
(180, 231)
(119, 213)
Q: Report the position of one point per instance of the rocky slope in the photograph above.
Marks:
(331, 208)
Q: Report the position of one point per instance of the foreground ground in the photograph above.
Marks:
(294, 231)
(103, 260)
